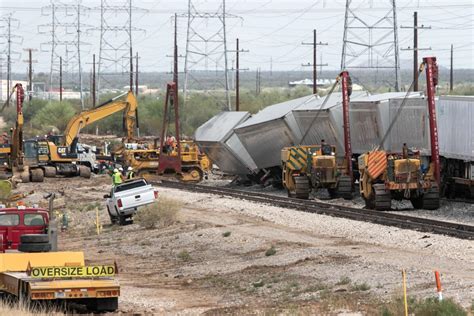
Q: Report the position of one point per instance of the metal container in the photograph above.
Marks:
(370, 119)
(455, 116)
(217, 139)
(317, 120)
(268, 131)
(411, 125)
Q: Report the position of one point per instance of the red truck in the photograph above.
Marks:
(30, 271)
(15, 222)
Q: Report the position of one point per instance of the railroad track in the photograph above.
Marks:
(461, 231)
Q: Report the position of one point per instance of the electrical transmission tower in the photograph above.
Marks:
(116, 30)
(371, 42)
(206, 52)
(8, 40)
(65, 30)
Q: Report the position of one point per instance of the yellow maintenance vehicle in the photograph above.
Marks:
(385, 176)
(312, 167)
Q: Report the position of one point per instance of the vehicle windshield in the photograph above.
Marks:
(33, 220)
(9, 219)
(130, 185)
(30, 149)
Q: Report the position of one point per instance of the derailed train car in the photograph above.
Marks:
(303, 121)
(217, 139)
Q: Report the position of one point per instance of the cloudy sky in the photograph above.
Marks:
(272, 31)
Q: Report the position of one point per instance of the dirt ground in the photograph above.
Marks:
(230, 256)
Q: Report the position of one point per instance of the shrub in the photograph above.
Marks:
(424, 307)
(360, 287)
(271, 251)
(159, 214)
(184, 255)
(344, 280)
(226, 234)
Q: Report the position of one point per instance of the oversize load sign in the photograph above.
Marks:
(72, 272)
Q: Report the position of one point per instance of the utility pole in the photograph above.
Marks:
(237, 79)
(258, 81)
(131, 69)
(136, 74)
(415, 48)
(175, 52)
(8, 23)
(136, 95)
(30, 62)
(451, 72)
(94, 99)
(60, 79)
(315, 65)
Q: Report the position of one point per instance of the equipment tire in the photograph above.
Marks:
(84, 172)
(34, 238)
(109, 304)
(34, 247)
(302, 187)
(113, 219)
(123, 220)
(49, 171)
(344, 187)
(37, 175)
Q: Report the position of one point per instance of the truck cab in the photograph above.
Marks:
(15, 222)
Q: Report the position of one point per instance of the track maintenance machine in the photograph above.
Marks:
(385, 176)
(313, 167)
(32, 270)
(15, 154)
(180, 158)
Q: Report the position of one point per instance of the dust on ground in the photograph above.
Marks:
(230, 256)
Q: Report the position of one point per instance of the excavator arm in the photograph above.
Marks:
(81, 120)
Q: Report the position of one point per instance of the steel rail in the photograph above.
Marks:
(458, 230)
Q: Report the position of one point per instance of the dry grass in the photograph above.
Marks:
(159, 214)
(25, 309)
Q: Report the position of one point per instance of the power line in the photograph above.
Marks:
(365, 41)
(315, 44)
(206, 46)
(65, 44)
(116, 32)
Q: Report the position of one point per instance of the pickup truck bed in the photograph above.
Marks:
(126, 198)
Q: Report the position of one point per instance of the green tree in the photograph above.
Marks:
(54, 114)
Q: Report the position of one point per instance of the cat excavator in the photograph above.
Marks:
(58, 154)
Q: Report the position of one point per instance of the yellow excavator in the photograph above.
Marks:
(58, 154)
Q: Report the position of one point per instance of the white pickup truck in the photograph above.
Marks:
(125, 199)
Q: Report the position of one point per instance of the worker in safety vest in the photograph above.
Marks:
(130, 174)
(116, 177)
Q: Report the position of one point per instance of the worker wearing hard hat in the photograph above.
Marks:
(117, 177)
(130, 173)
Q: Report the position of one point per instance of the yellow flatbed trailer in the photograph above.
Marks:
(59, 276)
